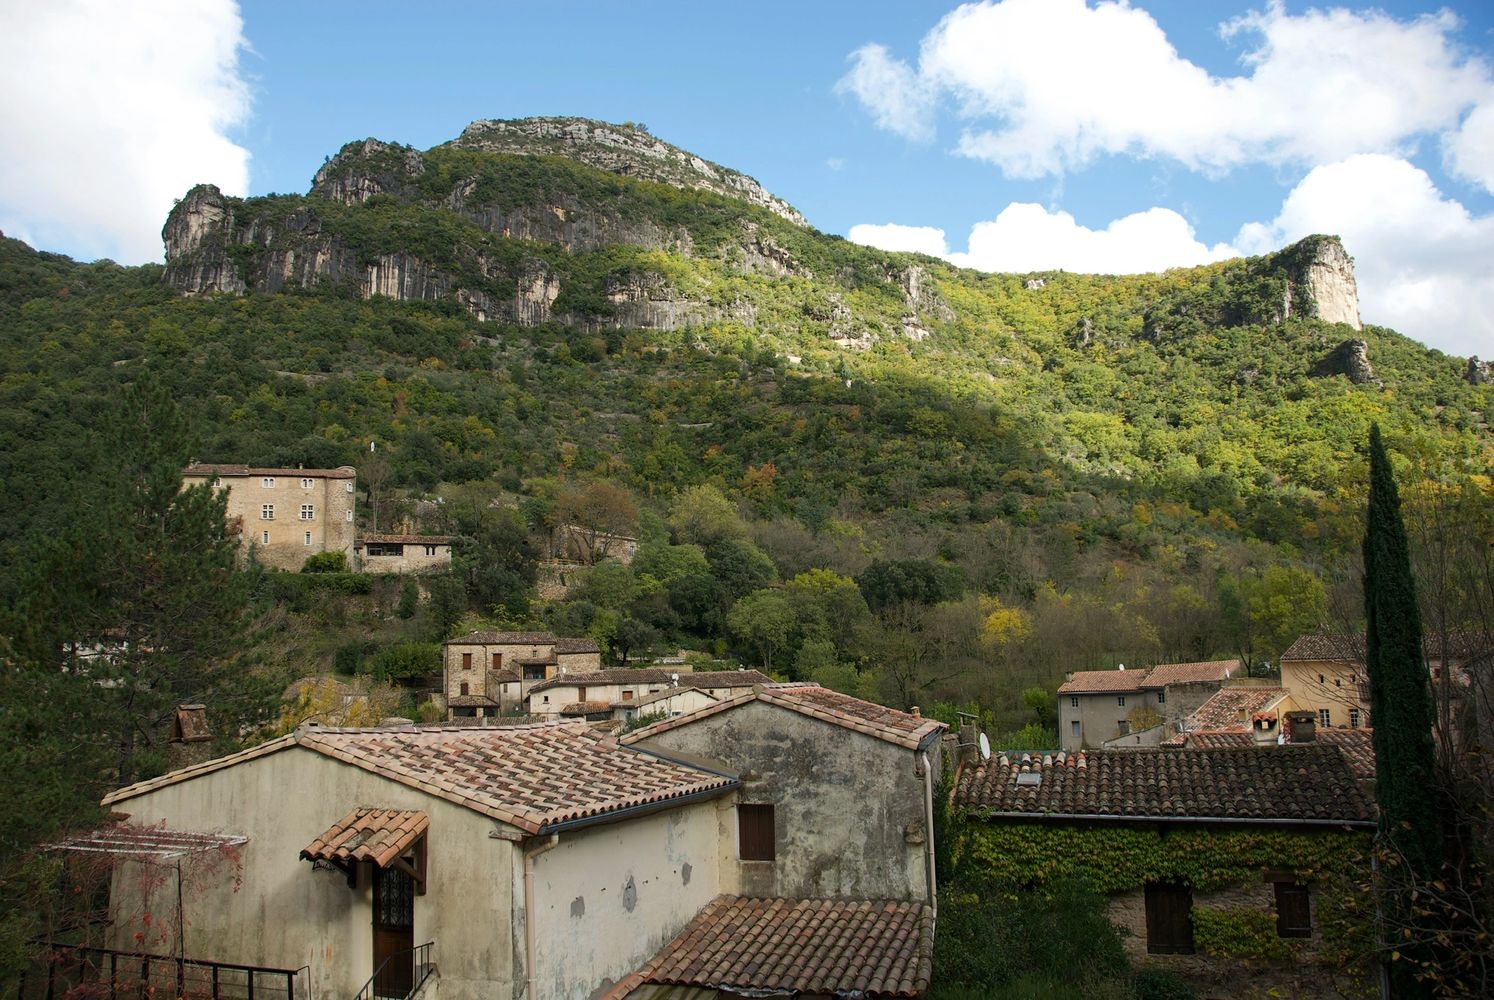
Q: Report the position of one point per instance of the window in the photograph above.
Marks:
(1074, 728)
(581, 693)
(755, 835)
(534, 673)
(1353, 718)
(1074, 701)
(546, 699)
(385, 549)
(497, 661)
(1293, 910)
(1120, 700)
(268, 482)
(1320, 679)
(264, 538)
(307, 539)
(465, 691)
(430, 550)
(466, 661)
(307, 484)
(627, 696)
(350, 515)
(1325, 718)
(1169, 919)
(1161, 697)
(349, 487)
(308, 512)
(267, 512)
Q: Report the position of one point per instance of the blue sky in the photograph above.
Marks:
(1013, 135)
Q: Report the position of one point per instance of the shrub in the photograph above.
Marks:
(326, 562)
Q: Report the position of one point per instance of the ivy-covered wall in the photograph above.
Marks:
(1233, 906)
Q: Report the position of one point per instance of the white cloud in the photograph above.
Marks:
(1026, 237)
(908, 239)
(1043, 86)
(1470, 152)
(1421, 259)
(112, 110)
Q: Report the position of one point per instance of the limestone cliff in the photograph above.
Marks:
(621, 149)
(1322, 276)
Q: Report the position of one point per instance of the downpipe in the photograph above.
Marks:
(544, 846)
(930, 867)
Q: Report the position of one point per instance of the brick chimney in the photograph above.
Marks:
(1301, 727)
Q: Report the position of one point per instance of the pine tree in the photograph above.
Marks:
(1400, 707)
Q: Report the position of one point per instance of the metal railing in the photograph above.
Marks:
(399, 975)
(78, 972)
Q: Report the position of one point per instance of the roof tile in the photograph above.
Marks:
(377, 835)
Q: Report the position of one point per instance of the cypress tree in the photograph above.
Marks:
(1400, 704)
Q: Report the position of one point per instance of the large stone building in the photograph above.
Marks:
(284, 515)
(490, 673)
(1139, 707)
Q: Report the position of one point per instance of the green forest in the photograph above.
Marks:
(1060, 472)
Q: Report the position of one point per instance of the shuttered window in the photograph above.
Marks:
(1293, 910)
(1169, 919)
(756, 841)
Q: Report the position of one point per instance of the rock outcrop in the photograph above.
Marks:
(620, 149)
(1479, 372)
(1322, 278)
(1351, 359)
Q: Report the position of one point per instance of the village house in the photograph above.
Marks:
(1101, 707)
(402, 554)
(837, 793)
(281, 516)
(485, 674)
(1242, 856)
(540, 861)
(596, 694)
(574, 543)
(1325, 675)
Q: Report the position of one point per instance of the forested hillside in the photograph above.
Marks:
(874, 469)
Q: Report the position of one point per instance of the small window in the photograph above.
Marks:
(1074, 701)
(307, 484)
(268, 482)
(756, 839)
(546, 699)
(1321, 680)
(264, 538)
(308, 512)
(1325, 718)
(307, 539)
(1338, 682)
(267, 512)
(1353, 718)
(349, 487)
(1161, 697)
(1074, 728)
(627, 696)
(466, 661)
(497, 661)
(1169, 919)
(430, 550)
(350, 515)
(581, 693)
(465, 691)
(1120, 700)
(1293, 910)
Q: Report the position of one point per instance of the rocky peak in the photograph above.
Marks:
(1479, 372)
(363, 169)
(1351, 359)
(621, 149)
(1322, 274)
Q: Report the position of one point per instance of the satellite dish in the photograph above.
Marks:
(985, 747)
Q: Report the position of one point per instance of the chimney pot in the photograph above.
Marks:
(916, 713)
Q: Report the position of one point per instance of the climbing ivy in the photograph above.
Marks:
(1241, 932)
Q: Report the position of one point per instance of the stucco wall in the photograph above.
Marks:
(609, 897)
(414, 559)
(1098, 715)
(1337, 691)
(842, 802)
(287, 915)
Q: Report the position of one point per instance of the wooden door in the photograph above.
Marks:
(1169, 919)
(393, 933)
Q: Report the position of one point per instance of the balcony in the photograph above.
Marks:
(79, 972)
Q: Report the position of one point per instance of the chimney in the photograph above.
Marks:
(1302, 727)
(1263, 726)
(915, 712)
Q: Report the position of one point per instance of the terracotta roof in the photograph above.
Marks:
(204, 469)
(1326, 647)
(1358, 745)
(653, 675)
(801, 946)
(1218, 739)
(535, 777)
(577, 646)
(669, 692)
(406, 539)
(1164, 674)
(877, 721)
(377, 835)
(1303, 782)
(1099, 681)
(586, 708)
(502, 639)
(471, 701)
(502, 676)
(1234, 706)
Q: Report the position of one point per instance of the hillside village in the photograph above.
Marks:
(544, 566)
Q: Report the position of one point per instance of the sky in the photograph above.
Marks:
(1017, 135)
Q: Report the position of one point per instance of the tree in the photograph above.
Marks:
(1400, 705)
(765, 620)
(587, 519)
(912, 581)
(632, 636)
(376, 475)
(701, 515)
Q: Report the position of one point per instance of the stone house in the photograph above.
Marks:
(1237, 853)
(284, 515)
(1099, 706)
(669, 703)
(382, 554)
(837, 793)
(539, 861)
(595, 694)
(488, 673)
(576, 544)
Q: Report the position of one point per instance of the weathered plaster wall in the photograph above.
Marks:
(331, 527)
(843, 802)
(608, 897)
(287, 915)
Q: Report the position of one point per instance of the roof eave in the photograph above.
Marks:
(641, 809)
(1114, 818)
